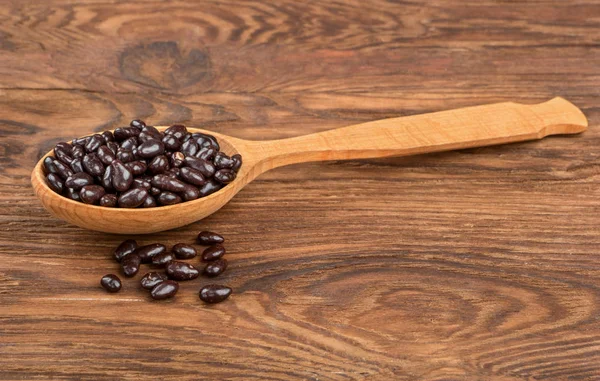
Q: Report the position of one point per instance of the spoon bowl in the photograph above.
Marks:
(440, 131)
(144, 220)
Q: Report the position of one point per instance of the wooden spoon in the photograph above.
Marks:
(440, 131)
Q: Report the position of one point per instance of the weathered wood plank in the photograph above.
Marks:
(473, 265)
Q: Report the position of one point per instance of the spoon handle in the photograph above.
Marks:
(439, 131)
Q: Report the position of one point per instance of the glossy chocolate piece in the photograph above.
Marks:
(111, 283)
(125, 248)
(214, 293)
(164, 290)
(152, 279)
(181, 271)
(208, 238)
(215, 268)
(184, 251)
(147, 252)
(213, 253)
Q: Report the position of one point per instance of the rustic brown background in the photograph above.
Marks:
(481, 264)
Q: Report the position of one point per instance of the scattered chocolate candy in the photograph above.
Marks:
(214, 293)
(207, 238)
(171, 167)
(213, 253)
(215, 268)
(161, 260)
(125, 248)
(183, 251)
(165, 285)
(150, 280)
(131, 264)
(111, 283)
(164, 290)
(146, 253)
(181, 271)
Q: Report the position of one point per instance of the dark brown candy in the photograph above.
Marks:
(132, 198)
(125, 248)
(77, 166)
(189, 148)
(221, 161)
(206, 140)
(214, 293)
(108, 200)
(181, 271)
(215, 268)
(106, 180)
(171, 142)
(152, 131)
(213, 253)
(144, 137)
(210, 187)
(176, 159)
(237, 162)
(192, 176)
(225, 176)
(105, 155)
(78, 152)
(164, 290)
(158, 165)
(49, 166)
(168, 198)
(213, 142)
(190, 193)
(141, 182)
(122, 177)
(146, 253)
(130, 264)
(129, 143)
(79, 180)
(206, 168)
(93, 165)
(63, 146)
(184, 251)
(173, 172)
(94, 142)
(62, 170)
(137, 167)
(206, 153)
(113, 147)
(108, 136)
(111, 283)
(123, 133)
(125, 155)
(137, 123)
(72, 194)
(91, 194)
(167, 183)
(63, 154)
(79, 141)
(207, 238)
(152, 279)
(55, 182)
(128, 158)
(150, 148)
(161, 260)
(149, 202)
(177, 130)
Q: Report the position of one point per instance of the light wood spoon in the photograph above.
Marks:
(440, 131)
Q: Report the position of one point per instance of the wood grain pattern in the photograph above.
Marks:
(480, 264)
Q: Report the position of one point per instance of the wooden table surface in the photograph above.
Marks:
(481, 264)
